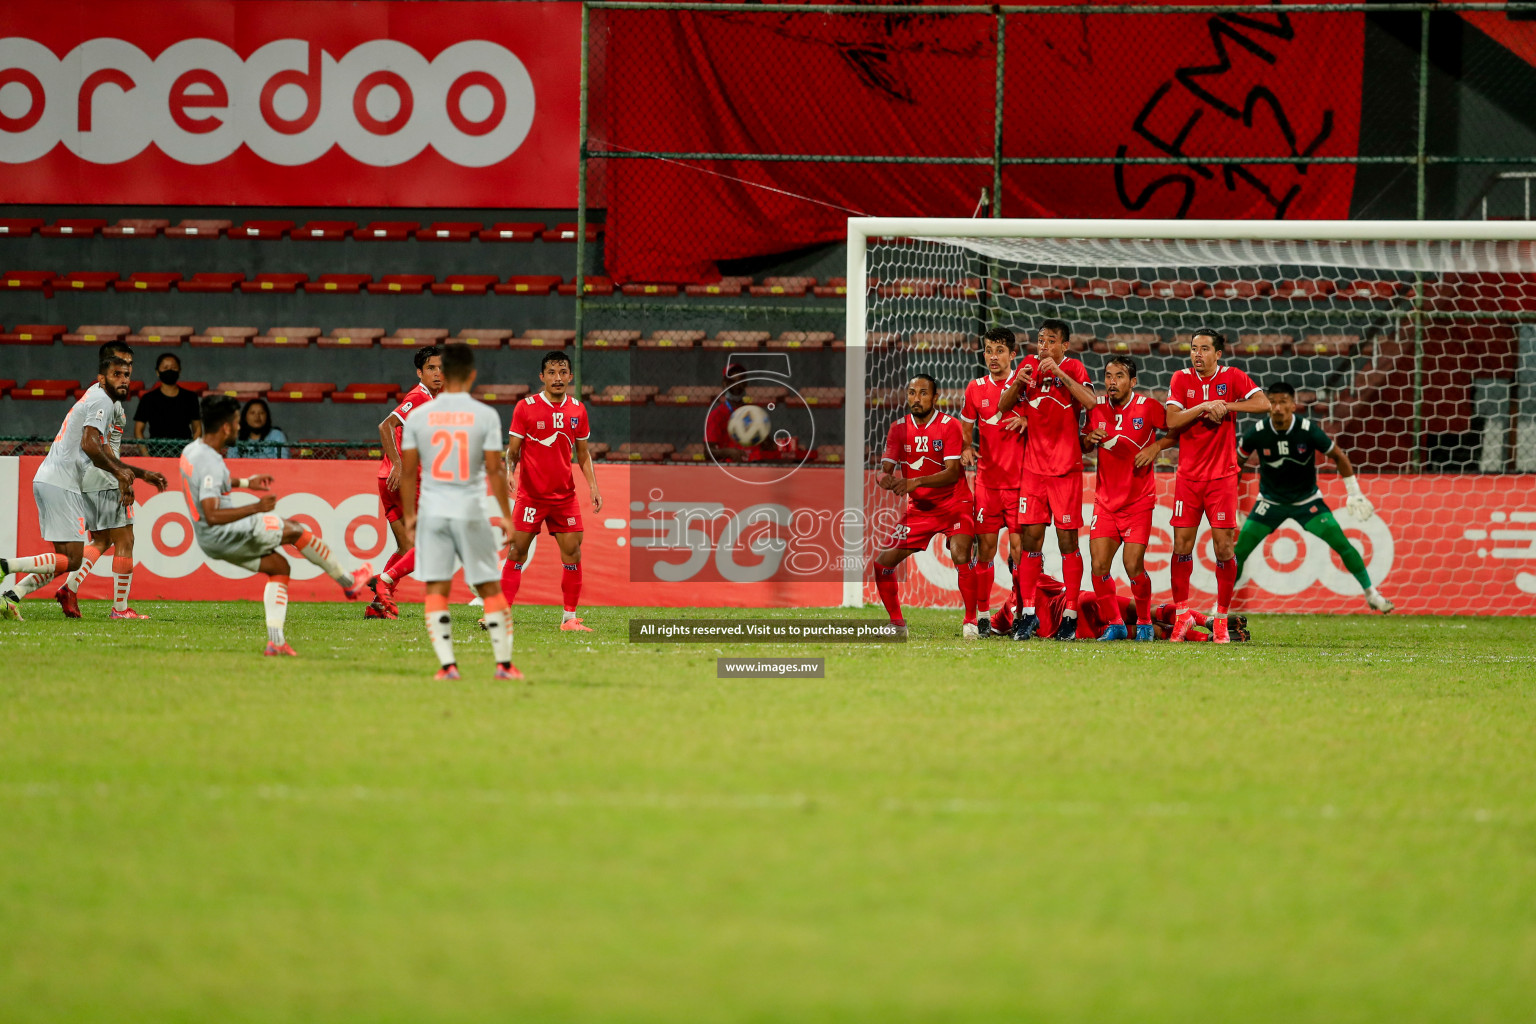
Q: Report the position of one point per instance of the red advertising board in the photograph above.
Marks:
(312, 103)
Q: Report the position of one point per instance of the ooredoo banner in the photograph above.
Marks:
(290, 103)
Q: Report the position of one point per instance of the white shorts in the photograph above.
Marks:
(472, 540)
(104, 510)
(60, 513)
(244, 542)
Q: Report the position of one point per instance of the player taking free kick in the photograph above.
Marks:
(546, 429)
(457, 442)
(926, 444)
(998, 466)
(249, 535)
(1054, 390)
(1124, 426)
(429, 377)
(1202, 402)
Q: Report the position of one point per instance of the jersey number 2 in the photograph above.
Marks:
(447, 442)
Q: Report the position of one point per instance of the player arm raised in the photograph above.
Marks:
(100, 453)
(584, 460)
(1083, 394)
(387, 442)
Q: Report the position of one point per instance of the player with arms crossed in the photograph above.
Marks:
(926, 444)
(546, 429)
(1124, 426)
(457, 441)
(1054, 390)
(998, 467)
(429, 377)
(1287, 446)
(1202, 402)
(249, 536)
(70, 503)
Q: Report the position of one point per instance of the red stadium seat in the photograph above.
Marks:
(386, 231)
(28, 280)
(514, 232)
(282, 283)
(722, 289)
(243, 390)
(45, 390)
(87, 280)
(73, 228)
(206, 281)
(324, 230)
(414, 337)
(464, 284)
(831, 398)
(96, 334)
(808, 340)
(448, 231)
(609, 339)
(400, 284)
(156, 335)
(199, 228)
(688, 394)
(351, 337)
(747, 340)
(831, 288)
(829, 452)
(301, 391)
(671, 340)
(337, 284)
(1102, 288)
(148, 281)
(592, 284)
(690, 452)
(940, 341)
(223, 337)
(637, 451)
(1048, 288)
(537, 284)
(501, 394)
(1130, 343)
(1369, 290)
(1240, 289)
(649, 289)
(264, 229)
(789, 287)
(366, 393)
(286, 337)
(135, 228)
(540, 338)
(567, 232)
(1172, 289)
(135, 389)
(1303, 288)
(482, 337)
(625, 394)
(32, 334)
(20, 227)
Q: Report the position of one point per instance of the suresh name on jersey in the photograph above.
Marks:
(549, 432)
(1288, 460)
(1208, 451)
(451, 437)
(67, 462)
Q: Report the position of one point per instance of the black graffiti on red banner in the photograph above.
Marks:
(1202, 83)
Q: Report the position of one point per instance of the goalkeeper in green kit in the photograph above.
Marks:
(1287, 447)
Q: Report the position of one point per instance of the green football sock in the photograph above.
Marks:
(1327, 527)
(1252, 535)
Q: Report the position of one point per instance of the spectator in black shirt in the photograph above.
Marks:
(167, 411)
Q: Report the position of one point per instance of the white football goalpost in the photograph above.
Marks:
(1365, 317)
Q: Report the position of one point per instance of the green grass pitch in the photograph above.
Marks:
(1334, 823)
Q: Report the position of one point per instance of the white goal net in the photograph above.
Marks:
(1412, 344)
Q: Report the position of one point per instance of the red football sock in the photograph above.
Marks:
(968, 591)
(1226, 582)
(1197, 637)
(986, 578)
(570, 584)
(403, 566)
(1141, 590)
(1198, 618)
(1028, 576)
(511, 579)
(1104, 593)
(1072, 576)
(389, 565)
(885, 583)
(1183, 567)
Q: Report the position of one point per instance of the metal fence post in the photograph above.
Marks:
(581, 197)
(997, 122)
(1416, 455)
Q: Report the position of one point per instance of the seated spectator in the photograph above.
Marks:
(167, 411)
(259, 439)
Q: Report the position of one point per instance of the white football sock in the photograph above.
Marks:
(499, 625)
(315, 550)
(440, 629)
(274, 598)
(121, 584)
(29, 583)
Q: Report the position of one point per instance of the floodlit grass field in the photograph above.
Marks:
(1336, 822)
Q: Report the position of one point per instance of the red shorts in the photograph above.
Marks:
(393, 510)
(996, 508)
(1044, 499)
(563, 516)
(1132, 525)
(1216, 499)
(917, 528)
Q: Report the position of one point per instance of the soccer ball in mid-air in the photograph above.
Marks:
(749, 426)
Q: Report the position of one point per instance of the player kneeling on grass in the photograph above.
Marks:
(455, 444)
(1288, 447)
(1124, 426)
(249, 535)
(926, 444)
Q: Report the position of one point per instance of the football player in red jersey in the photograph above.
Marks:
(1124, 426)
(429, 377)
(1055, 391)
(1202, 403)
(546, 428)
(926, 445)
(998, 465)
